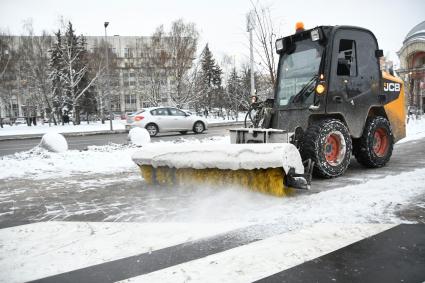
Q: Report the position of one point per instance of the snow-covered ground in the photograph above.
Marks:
(23, 129)
(415, 130)
(104, 181)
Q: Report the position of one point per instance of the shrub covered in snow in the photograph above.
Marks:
(54, 142)
(139, 136)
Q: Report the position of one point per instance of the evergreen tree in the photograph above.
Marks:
(70, 76)
(61, 102)
(210, 80)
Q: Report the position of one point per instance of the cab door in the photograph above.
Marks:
(354, 79)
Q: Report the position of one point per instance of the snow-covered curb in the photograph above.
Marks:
(109, 159)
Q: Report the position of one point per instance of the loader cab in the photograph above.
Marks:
(326, 71)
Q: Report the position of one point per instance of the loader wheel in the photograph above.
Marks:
(327, 143)
(375, 147)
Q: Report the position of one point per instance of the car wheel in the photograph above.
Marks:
(198, 127)
(152, 129)
(183, 132)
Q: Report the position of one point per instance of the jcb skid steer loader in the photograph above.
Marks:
(331, 101)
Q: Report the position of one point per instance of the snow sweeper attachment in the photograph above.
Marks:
(272, 168)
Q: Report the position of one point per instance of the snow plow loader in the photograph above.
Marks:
(331, 101)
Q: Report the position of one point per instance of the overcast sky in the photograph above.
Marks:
(221, 22)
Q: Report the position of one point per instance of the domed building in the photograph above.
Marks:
(412, 67)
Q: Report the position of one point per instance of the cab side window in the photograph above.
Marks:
(347, 59)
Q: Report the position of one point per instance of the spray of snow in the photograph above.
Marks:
(54, 142)
(139, 136)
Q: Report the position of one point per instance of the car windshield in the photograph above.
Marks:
(297, 70)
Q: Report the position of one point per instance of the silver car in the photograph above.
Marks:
(166, 119)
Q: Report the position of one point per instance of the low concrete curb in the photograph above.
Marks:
(76, 134)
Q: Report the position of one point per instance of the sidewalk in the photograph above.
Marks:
(118, 129)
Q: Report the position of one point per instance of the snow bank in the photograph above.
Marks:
(43, 129)
(415, 130)
(139, 136)
(39, 163)
(228, 156)
(54, 142)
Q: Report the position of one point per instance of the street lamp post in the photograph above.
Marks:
(250, 27)
(107, 76)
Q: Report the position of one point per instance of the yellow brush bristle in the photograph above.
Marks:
(269, 181)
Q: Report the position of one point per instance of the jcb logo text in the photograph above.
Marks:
(391, 87)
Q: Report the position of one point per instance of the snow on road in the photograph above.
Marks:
(333, 218)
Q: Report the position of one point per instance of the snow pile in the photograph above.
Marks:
(39, 163)
(67, 128)
(139, 136)
(228, 156)
(415, 130)
(54, 142)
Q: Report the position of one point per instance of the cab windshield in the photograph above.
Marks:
(298, 71)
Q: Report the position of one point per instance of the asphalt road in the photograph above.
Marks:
(124, 196)
(81, 142)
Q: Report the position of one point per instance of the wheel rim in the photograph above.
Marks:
(199, 127)
(334, 148)
(151, 130)
(380, 142)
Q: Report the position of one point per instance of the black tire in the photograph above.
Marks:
(375, 147)
(152, 129)
(183, 132)
(328, 144)
(198, 127)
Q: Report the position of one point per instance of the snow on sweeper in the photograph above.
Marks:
(331, 101)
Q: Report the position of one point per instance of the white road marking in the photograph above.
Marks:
(266, 257)
(39, 250)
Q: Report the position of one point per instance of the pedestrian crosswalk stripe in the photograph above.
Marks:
(265, 257)
(43, 249)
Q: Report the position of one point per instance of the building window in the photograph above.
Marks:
(127, 53)
(130, 99)
(347, 59)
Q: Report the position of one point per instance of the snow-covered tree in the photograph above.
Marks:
(72, 69)
(234, 93)
(209, 80)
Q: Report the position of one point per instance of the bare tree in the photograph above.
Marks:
(265, 34)
(154, 74)
(8, 74)
(183, 41)
(35, 69)
(97, 65)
